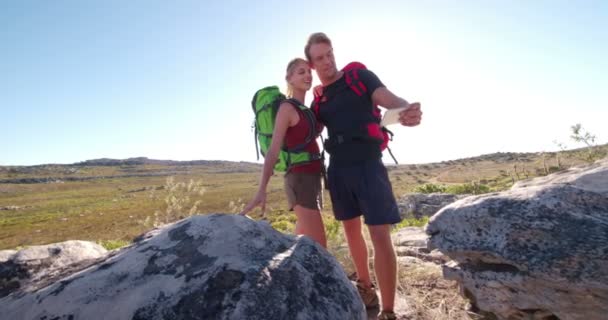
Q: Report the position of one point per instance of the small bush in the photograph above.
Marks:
(430, 188)
(468, 188)
(410, 222)
(283, 226)
(333, 228)
(465, 188)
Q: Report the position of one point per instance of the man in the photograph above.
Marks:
(357, 179)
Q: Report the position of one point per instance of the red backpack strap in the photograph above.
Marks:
(317, 93)
(352, 80)
(354, 65)
(351, 75)
(315, 109)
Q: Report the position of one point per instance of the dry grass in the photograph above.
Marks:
(113, 209)
(423, 293)
(428, 295)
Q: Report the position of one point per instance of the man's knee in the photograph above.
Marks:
(380, 233)
(352, 226)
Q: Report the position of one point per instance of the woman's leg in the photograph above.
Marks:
(310, 224)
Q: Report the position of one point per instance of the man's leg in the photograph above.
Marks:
(358, 249)
(358, 252)
(385, 264)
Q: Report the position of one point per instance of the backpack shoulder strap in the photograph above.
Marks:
(352, 80)
(292, 102)
(316, 107)
(310, 117)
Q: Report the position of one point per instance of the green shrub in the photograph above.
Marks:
(430, 188)
(410, 222)
(465, 188)
(283, 226)
(468, 188)
(333, 228)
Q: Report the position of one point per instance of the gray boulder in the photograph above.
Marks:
(537, 251)
(411, 242)
(420, 205)
(591, 178)
(6, 255)
(37, 266)
(205, 267)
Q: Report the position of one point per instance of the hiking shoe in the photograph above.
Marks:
(387, 315)
(368, 295)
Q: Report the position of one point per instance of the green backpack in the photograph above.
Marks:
(265, 104)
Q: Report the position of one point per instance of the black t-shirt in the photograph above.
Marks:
(345, 112)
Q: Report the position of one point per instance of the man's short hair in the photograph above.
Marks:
(315, 38)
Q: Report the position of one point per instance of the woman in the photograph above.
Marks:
(302, 182)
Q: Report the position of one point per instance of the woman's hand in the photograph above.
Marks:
(258, 200)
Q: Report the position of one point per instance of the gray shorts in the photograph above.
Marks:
(304, 189)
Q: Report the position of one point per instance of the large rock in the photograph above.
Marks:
(420, 205)
(592, 178)
(6, 255)
(538, 251)
(37, 266)
(411, 245)
(204, 267)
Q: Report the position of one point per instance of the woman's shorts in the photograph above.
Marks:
(304, 189)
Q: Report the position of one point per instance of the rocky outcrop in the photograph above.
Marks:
(592, 178)
(205, 267)
(537, 251)
(37, 266)
(6, 255)
(411, 245)
(420, 205)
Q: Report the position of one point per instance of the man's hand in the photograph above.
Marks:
(258, 200)
(411, 116)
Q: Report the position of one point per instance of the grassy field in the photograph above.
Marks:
(52, 203)
(110, 208)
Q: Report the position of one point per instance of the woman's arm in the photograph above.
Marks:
(284, 119)
(282, 123)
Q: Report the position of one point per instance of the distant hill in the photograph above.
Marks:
(106, 168)
(144, 161)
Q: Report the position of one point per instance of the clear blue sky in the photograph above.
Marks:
(174, 79)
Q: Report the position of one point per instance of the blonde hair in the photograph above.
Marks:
(291, 67)
(315, 38)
